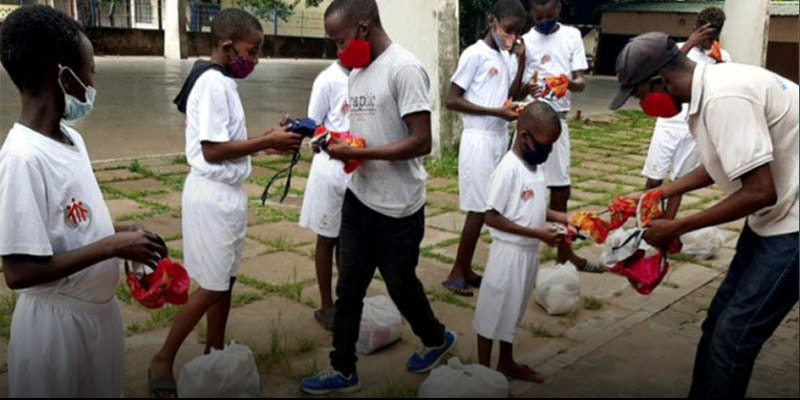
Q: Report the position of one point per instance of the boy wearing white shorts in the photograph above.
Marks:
(214, 203)
(516, 212)
(555, 50)
(479, 90)
(327, 182)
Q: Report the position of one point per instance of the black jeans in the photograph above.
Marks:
(760, 289)
(367, 240)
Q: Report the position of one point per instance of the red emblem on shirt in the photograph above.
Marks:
(527, 194)
(76, 213)
(546, 58)
(345, 107)
(493, 72)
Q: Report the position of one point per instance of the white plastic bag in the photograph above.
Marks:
(456, 380)
(230, 372)
(622, 244)
(703, 243)
(558, 289)
(381, 325)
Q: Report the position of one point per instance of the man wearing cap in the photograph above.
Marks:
(745, 121)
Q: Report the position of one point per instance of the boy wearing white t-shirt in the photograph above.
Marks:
(479, 90)
(672, 146)
(327, 182)
(516, 212)
(214, 203)
(554, 50)
(57, 239)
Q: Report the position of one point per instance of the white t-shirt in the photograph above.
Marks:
(743, 117)
(328, 105)
(679, 122)
(214, 113)
(393, 86)
(560, 52)
(52, 204)
(520, 195)
(485, 77)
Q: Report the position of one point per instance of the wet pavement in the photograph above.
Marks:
(134, 115)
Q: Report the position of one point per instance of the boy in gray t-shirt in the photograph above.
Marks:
(383, 216)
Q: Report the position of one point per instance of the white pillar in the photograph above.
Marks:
(429, 29)
(746, 31)
(175, 29)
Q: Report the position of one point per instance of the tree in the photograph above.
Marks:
(267, 9)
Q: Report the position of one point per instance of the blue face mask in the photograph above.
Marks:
(536, 156)
(547, 27)
(74, 109)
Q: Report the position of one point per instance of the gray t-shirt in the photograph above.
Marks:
(393, 86)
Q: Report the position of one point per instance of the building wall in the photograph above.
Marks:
(618, 28)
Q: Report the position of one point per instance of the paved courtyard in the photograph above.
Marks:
(619, 343)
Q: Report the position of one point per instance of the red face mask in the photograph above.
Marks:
(659, 104)
(357, 54)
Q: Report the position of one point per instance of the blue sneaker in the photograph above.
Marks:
(426, 358)
(330, 381)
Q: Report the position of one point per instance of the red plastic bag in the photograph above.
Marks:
(169, 283)
(644, 273)
(324, 136)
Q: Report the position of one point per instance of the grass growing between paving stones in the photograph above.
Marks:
(7, 304)
(282, 345)
(243, 299)
(393, 389)
(123, 294)
(592, 303)
(444, 167)
(157, 319)
(540, 331)
(270, 213)
(289, 290)
(445, 296)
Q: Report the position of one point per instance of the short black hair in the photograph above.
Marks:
(33, 39)
(541, 2)
(355, 10)
(233, 24)
(713, 16)
(509, 9)
(542, 114)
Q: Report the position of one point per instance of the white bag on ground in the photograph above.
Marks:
(230, 372)
(456, 380)
(703, 243)
(558, 289)
(381, 324)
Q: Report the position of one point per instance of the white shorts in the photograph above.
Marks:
(671, 150)
(214, 227)
(478, 155)
(557, 167)
(324, 196)
(506, 290)
(64, 347)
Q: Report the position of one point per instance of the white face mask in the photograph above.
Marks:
(74, 109)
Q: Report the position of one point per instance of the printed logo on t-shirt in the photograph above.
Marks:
(493, 72)
(363, 103)
(345, 107)
(527, 194)
(546, 58)
(77, 213)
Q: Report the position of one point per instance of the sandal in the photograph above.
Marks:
(459, 288)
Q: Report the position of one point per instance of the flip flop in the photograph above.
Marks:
(158, 387)
(526, 373)
(325, 318)
(476, 283)
(459, 288)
